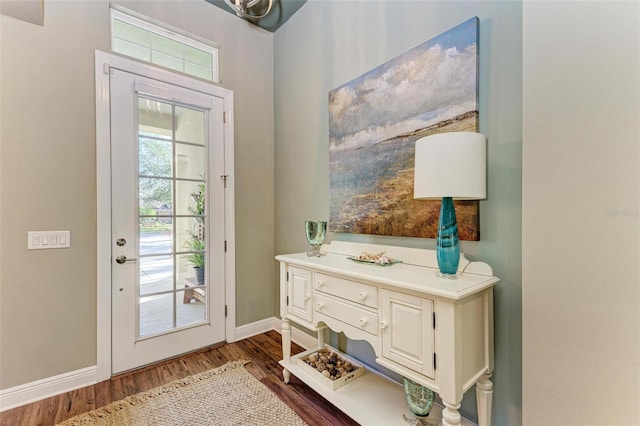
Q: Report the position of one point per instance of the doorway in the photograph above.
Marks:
(170, 268)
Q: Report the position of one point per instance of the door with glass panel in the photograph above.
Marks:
(167, 147)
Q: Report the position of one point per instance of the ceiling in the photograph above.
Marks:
(25, 10)
(281, 10)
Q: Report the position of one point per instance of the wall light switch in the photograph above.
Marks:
(38, 240)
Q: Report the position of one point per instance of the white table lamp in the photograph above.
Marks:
(450, 165)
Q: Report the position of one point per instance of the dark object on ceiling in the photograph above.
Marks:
(281, 10)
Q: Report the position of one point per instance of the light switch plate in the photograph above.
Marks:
(38, 240)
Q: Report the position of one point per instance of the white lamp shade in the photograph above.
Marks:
(451, 165)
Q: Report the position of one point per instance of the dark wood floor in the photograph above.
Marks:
(264, 350)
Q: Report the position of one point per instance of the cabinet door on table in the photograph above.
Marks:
(299, 293)
(407, 331)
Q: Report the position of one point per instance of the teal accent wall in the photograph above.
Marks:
(328, 43)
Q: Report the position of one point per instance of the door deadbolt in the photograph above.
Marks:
(120, 242)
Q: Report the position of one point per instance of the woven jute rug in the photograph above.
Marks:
(227, 395)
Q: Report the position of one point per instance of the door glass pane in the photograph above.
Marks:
(191, 270)
(185, 228)
(190, 161)
(190, 307)
(156, 314)
(156, 235)
(155, 197)
(172, 248)
(154, 157)
(190, 198)
(189, 125)
(156, 274)
(155, 118)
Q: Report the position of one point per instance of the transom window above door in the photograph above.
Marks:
(135, 36)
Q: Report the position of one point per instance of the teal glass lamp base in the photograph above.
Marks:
(447, 244)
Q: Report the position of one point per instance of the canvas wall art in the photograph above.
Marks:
(374, 121)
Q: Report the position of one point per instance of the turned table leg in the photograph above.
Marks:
(484, 396)
(286, 347)
(451, 415)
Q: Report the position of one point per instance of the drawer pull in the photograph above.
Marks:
(307, 296)
(320, 305)
(363, 321)
(363, 295)
(383, 325)
(319, 284)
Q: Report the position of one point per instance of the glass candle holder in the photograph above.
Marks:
(316, 232)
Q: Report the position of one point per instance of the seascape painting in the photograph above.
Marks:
(374, 122)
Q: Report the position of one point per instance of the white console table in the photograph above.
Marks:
(435, 331)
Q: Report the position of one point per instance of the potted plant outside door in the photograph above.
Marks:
(196, 242)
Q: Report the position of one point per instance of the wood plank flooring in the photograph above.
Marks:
(264, 350)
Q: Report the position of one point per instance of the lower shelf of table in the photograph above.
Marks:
(369, 400)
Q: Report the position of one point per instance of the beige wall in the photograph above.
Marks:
(47, 174)
(328, 43)
(581, 211)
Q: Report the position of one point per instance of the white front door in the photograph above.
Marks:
(167, 201)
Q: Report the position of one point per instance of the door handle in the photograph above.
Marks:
(122, 259)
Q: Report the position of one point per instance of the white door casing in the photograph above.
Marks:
(104, 64)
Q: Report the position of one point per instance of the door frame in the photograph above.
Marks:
(103, 62)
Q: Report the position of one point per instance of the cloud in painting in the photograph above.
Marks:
(425, 85)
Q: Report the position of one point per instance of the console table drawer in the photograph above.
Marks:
(363, 294)
(349, 314)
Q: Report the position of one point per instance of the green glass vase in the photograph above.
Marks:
(419, 398)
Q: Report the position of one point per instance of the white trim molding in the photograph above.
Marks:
(103, 63)
(255, 328)
(298, 336)
(44, 388)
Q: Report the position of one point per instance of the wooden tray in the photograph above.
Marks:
(331, 384)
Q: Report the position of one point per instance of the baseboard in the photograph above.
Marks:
(301, 338)
(44, 388)
(258, 327)
(298, 336)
